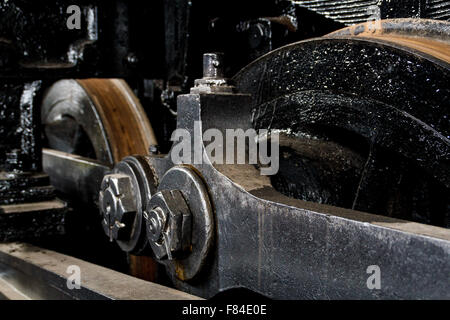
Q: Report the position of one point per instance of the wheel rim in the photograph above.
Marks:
(106, 110)
(106, 116)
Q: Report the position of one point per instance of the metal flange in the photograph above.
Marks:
(161, 214)
(123, 195)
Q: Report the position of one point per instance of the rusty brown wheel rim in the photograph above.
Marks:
(125, 122)
(428, 37)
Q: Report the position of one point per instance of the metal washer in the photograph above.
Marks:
(196, 195)
(144, 187)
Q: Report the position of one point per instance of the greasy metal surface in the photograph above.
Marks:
(27, 195)
(28, 206)
(356, 11)
(332, 65)
(39, 39)
(31, 29)
(16, 188)
(21, 181)
(32, 220)
(292, 249)
(39, 274)
(345, 11)
(386, 103)
(72, 174)
(430, 37)
(178, 62)
(19, 146)
(413, 28)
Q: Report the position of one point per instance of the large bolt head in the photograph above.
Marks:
(119, 183)
(118, 206)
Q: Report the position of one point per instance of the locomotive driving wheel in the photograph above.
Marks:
(100, 119)
(363, 117)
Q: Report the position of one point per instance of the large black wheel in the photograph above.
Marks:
(364, 117)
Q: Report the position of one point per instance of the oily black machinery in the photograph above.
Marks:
(362, 115)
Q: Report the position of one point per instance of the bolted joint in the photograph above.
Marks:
(213, 80)
(117, 206)
(213, 65)
(123, 195)
(169, 225)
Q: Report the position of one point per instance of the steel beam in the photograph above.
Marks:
(77, 176)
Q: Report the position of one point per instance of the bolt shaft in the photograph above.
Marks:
(213, 65)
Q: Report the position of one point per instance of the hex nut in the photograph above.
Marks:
(117, 205)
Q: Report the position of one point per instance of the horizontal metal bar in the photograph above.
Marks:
(74, 175)
(29, 272)
(32, 207)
